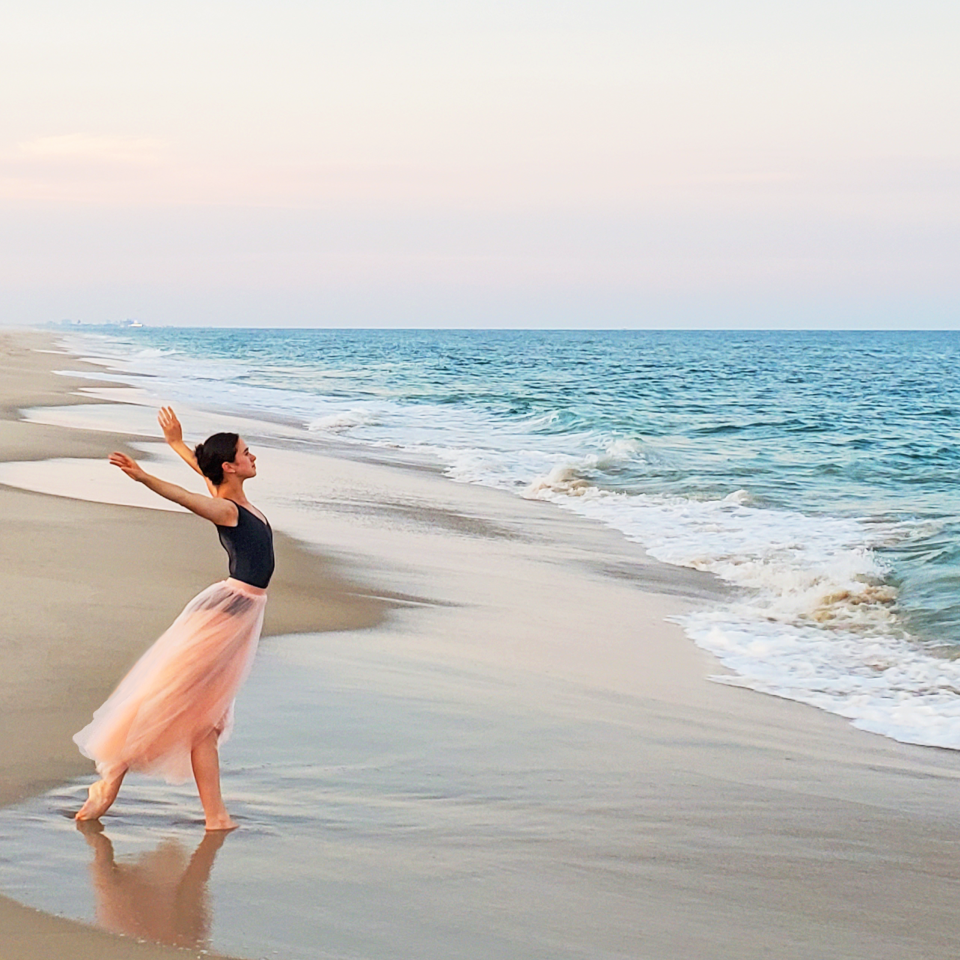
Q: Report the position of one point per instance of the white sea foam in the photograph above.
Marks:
(342, 421)
(814, 620)
(882, 683)
(564, 479)
(621, 449)
(791, 566)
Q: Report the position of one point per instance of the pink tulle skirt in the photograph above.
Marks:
(181, 689)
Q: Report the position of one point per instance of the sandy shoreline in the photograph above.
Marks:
(70, 569)
(782, 831)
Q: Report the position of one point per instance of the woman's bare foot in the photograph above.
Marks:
(223, 823)
(99, 799)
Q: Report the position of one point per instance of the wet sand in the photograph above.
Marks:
(715, 823)
(75, 614)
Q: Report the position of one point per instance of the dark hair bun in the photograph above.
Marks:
(213, 453)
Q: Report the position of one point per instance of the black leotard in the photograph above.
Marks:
(249, 546)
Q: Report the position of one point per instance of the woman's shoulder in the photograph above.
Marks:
(234, 514)
(251, 510)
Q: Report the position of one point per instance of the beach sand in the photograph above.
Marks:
(75, 613)
(733, 825)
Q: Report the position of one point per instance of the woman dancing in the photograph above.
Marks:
(174, 708)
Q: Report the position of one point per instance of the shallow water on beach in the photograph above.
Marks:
(814, 472)
(394, 809)
(387, 809)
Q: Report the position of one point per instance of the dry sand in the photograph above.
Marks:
(766, 829)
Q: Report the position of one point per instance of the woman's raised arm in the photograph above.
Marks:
(215, 509)
(173, 434)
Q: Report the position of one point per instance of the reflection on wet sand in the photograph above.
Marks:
(159, 895)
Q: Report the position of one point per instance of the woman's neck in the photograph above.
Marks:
(232, 489)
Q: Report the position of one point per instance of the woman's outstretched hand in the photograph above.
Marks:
(128, 465)
(173, 434)
(170, 425)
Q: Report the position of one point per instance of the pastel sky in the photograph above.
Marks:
(526, 163)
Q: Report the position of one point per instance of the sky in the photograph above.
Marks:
(533, 163)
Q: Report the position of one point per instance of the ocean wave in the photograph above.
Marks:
(153, 353)
(342, 421)
(882, 683)
(789, 564)
(583, 475)
(564, 479)
(815, 617)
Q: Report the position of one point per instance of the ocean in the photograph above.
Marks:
(457, 782)
(814, 472)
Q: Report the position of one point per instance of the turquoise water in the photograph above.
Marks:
(814, 471)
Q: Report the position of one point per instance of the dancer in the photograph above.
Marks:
(174, 708)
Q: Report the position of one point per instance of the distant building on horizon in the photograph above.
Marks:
(128, 324)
